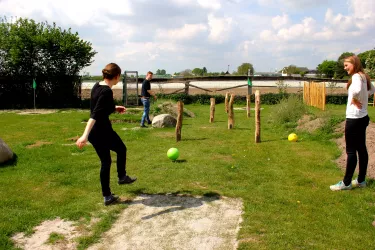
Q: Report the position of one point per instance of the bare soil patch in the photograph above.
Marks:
(307, 123)
(175, 222)
(39, 240)
(39, 144)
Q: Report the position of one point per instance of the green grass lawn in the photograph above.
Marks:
(284, 185)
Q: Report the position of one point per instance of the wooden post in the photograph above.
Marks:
(248, 102)
(187, 87)
(226, 102)
(212, 110)
(231, 113)
(257, 116)
(324, 96)
(180, 110)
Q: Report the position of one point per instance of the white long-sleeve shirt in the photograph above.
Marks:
(358, 90)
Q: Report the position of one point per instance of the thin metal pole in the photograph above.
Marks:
(34, 100)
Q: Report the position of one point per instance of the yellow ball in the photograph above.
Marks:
(292, 137)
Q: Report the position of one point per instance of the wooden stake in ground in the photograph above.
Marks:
(226, 102)
(180, 110)
(231, 113)
(257, 116)
(248, 102)
(212, 110)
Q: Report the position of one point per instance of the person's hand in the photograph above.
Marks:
(120, 109)
(81, 142)
(357, 103)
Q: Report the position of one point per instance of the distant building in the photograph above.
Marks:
(272, 74)
(312, 73)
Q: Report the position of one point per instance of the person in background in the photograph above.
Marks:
(146, 93)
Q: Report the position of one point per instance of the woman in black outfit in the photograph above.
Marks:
(100, 133)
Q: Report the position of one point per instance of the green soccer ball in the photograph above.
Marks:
(173, 154)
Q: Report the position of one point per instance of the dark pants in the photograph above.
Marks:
(355, 138)
(103, 145)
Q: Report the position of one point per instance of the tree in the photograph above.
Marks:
(370, 64)
(243, 69)
(364, 56)
(291, 69)
(158, 72)
(186, 72)
(197, 72)
(163, 72)
(327, 68)
(340, 73)
(29, 49)
(204, 71)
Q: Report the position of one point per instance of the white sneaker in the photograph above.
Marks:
(340, 186)
(355, 183)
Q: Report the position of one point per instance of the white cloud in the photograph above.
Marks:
(267, 35)
(291, 4)
(179, 34)
(280, 21)
(210, 4)
(301, 31)
(340, 22)
(188, 31)
(220, 28)
(83, 12)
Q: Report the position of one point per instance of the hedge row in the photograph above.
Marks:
(269, 99)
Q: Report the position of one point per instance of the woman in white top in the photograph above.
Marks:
(359, 88)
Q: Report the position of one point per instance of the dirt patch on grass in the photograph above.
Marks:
(370, 141)
(226, 158)
(36, 111)
(175, 222)
(309, 124)
(41, 238)
(166, 135)
(39, 144)
(151, 222)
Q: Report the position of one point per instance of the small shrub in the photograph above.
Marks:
(288, 111)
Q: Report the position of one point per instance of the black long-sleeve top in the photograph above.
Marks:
(101, 106)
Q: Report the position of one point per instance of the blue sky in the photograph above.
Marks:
(176, 35)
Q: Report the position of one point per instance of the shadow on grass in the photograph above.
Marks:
(11, 163)
(241, 128)
(175, 201)
(370, 182)
(194, 139)
(272, 140)
(180, 161)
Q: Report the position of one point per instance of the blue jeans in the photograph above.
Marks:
(146, 111)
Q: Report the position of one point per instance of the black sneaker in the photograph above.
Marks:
(110, 199)
(149, 123)
(127, 180)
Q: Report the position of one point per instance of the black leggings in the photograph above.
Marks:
(103, 145)
(355, 138)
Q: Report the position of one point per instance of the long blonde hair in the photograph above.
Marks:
(353, 59)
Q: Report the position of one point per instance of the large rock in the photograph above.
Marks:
(164, 120)
(5, 153)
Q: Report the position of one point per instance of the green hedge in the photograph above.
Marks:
(269, 99)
